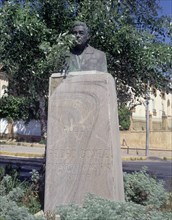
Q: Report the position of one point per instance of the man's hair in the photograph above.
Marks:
(80, 23)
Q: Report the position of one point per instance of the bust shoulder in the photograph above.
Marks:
(91, 49)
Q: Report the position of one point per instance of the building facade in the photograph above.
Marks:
(160, 112)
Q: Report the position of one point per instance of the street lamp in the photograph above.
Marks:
(147, 118)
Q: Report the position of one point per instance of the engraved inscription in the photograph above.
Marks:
(102, 156)
(93, 169)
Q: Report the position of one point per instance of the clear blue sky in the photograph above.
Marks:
(166, 7)
(166, 10)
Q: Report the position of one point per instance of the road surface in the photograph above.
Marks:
(160, 168)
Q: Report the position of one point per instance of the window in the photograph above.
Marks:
(153, 107)
(169, 110)
(163, 95)
(154, 92)
(168, 103)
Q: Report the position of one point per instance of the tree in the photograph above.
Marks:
(29, 56)
(16, 108)
(34, 41)
(131, 33)
(124, 117)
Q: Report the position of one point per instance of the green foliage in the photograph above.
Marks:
(145, 190)
(17, 203)
(22, 193)
(17, 108)
(124, 117)
(2, 172)
(9, 187)
(8, 183)
(168, 205)
(14, 195)
(34, 41)
(131, 33)
(10, 210)
(30, 50)
(35, 177)
(31, 196)
(143, 195)
(30, 199)
(100, 209)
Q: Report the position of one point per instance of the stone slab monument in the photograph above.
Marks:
(83, 147)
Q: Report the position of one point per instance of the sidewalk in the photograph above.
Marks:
(22, 151)
(38, 151)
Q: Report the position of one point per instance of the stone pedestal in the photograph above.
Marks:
(83, 146)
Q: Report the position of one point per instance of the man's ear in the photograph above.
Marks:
(88, 36)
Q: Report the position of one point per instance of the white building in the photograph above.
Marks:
(160, 112)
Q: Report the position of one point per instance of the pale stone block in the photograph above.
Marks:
(40, 213)
(83, 146)
(57, 217)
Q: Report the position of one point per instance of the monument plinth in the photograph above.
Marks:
(83, 147)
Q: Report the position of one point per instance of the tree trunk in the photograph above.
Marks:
(10, 128)
(43, 117)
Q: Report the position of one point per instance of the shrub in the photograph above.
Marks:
(23, 193)
(15, 195)
(9, 210)
(8, 184)
(96, 208)
(139, 188)
(145, 190)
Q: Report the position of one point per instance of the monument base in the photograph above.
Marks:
(83, 147)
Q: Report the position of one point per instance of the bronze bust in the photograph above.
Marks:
(82, 56)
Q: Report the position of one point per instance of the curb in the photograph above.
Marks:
(136, 158)
(25, 155)
(21, 145)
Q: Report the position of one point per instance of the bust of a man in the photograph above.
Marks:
(83, 57)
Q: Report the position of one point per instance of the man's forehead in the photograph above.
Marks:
(79, 28)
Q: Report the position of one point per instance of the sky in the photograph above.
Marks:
(166, 7)
(166, 10)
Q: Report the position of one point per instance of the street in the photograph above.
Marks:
(161, 169)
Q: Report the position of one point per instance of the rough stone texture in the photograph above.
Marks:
(83, 147)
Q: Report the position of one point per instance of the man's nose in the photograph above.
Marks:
(77, 34)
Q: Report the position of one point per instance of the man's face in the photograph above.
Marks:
(81, 35)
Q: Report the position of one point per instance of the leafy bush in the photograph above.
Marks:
(139, 188)
(14, 194)
(145, 190)
(100, 209)
(9, 210)
(30, 200)
(8, 184)
(23, 193)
